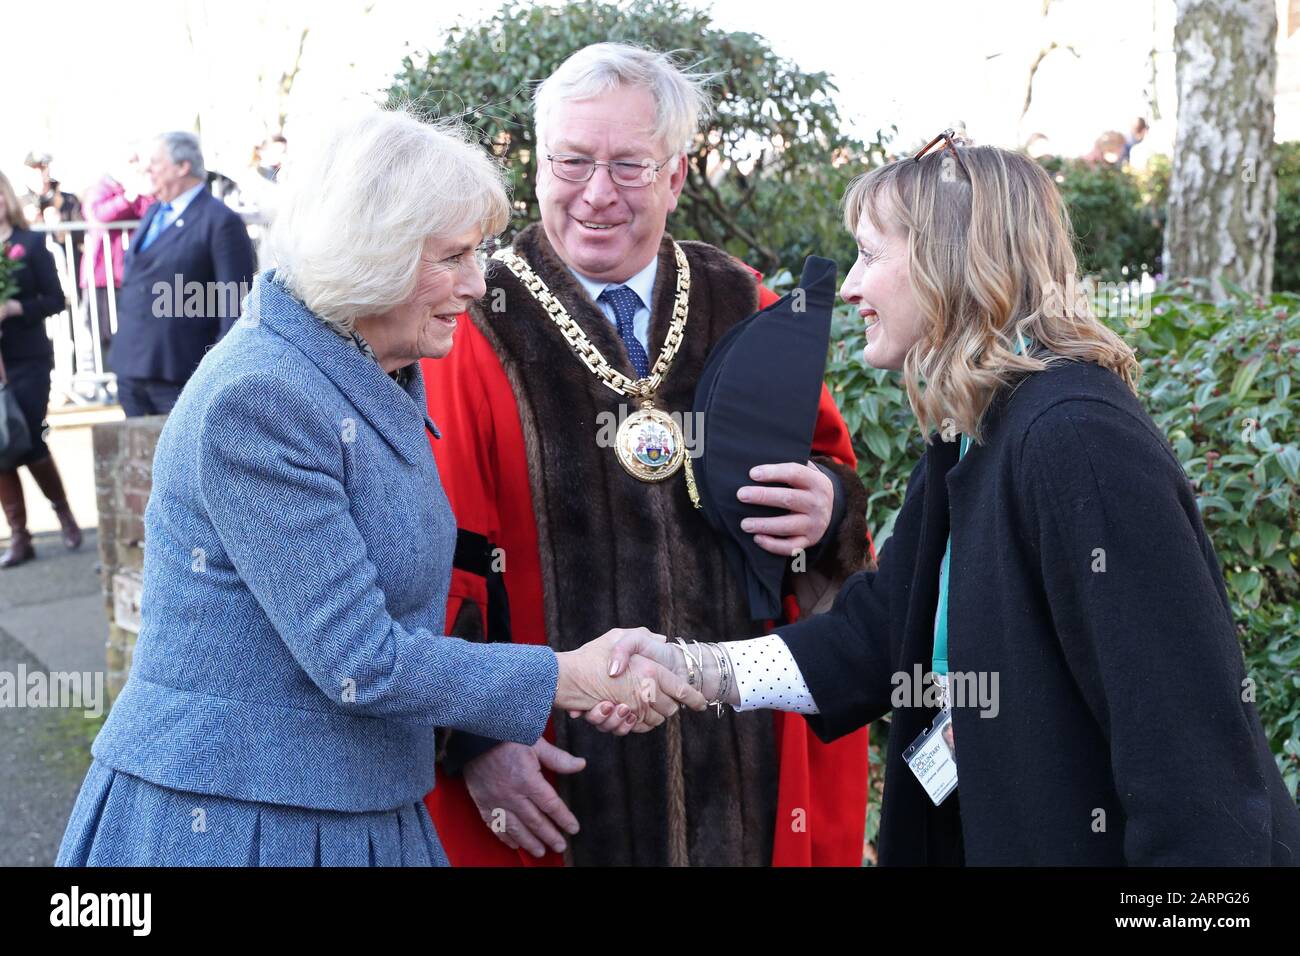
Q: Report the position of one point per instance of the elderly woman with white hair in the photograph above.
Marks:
(291, 668)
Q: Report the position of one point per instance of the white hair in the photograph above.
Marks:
(184, 147)
(681, 102)
(355, 209)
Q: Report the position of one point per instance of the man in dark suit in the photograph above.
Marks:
(188, 269)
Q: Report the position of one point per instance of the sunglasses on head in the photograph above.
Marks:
(949, 139)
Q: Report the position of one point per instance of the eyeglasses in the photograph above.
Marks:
(948, 137)
(627, 173)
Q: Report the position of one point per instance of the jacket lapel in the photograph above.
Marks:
(193, 212)
(397, 414)
(133, 251)
(186, 220)
(933, 541)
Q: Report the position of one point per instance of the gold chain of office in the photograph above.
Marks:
(644, 388)
(649, 443)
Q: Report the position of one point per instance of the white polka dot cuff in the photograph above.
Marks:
(767, 677)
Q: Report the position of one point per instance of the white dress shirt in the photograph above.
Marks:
(767, 676)
(179, 205)
(643, 284)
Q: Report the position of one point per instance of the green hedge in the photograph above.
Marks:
(1119, 216)
(1286, 254)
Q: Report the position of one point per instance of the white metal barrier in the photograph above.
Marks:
(81, 376)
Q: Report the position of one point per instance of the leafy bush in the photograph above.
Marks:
(1286, 254)
(1270, 636)
(1117, 216)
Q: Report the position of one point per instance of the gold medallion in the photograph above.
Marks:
(649, 444)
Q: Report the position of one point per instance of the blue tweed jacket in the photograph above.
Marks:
(297, 560)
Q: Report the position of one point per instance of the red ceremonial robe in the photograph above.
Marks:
(822, 788)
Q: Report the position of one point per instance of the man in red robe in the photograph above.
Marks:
(583, 544)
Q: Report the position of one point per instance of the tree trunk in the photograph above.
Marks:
(1223, 191)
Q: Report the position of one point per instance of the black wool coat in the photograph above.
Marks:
(22, 337)
(1083, 578)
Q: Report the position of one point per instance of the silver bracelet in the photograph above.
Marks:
(714, 651)
(693, 669)
(724, 666)
(699, 656)
(724, 676)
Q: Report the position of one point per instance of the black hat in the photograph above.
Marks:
(758, 397)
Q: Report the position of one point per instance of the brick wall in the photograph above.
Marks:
(123, 477)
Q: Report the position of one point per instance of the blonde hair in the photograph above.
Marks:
(991, 260)
(354, 210)
(13, 208)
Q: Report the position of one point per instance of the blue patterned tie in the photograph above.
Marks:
(625, 303)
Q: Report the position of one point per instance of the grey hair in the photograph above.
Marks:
(184, 147)
(681, 101)
(354, 210)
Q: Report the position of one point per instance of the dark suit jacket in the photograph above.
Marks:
(1120, 735)
(180, 295)
(22, 337)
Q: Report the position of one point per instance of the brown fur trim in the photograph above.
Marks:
(851, 553)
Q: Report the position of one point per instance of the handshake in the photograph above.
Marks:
(628, 681)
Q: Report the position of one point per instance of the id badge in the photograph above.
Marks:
(933, 758)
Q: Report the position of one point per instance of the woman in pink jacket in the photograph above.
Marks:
(105, 202)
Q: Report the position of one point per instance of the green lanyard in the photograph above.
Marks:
(940, 662)
(940, 665)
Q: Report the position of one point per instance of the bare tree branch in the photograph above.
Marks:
(709, 198)
(1033, 68)
(286, 82)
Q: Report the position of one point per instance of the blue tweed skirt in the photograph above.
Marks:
(123, 820)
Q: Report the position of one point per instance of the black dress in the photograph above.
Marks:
(27, 351)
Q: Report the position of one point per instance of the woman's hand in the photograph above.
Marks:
(642, 644)
(641, 695)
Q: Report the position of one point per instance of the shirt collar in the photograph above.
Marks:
(643, 283)
(181, 202)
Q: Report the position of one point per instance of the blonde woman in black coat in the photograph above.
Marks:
(1048, 624)
(28, 357)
